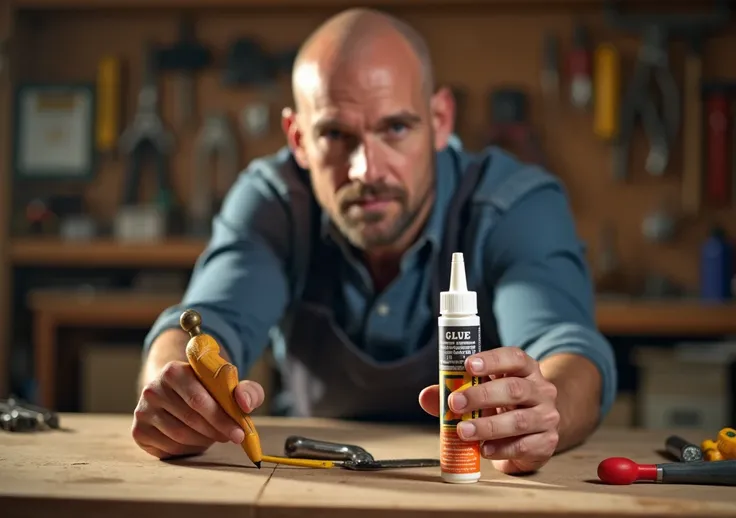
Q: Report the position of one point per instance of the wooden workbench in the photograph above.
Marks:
(93, 468)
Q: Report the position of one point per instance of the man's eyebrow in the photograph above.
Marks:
(328, 123)
(402, 116)
(332, 123)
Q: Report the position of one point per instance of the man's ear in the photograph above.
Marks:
(442, 106)
(293, 135)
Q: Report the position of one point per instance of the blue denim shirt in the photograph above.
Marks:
(529, 255)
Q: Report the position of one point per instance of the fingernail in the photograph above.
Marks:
(466, 429)
(459, 401)
(248, 400)
(488, 450)
(476, 364)
(237, 435)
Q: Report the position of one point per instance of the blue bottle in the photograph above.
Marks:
(716, 266)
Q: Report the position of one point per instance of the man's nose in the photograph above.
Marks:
(363, 165)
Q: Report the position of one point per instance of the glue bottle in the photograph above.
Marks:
(459, 337)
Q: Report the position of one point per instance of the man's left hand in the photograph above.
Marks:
(518, 427)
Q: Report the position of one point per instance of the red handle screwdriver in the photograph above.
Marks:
(718, 100)
(623, 471)
(580, 66)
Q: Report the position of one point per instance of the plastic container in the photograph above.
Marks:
(459, 337)
(716, 267)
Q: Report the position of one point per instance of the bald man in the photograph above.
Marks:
(334, 251)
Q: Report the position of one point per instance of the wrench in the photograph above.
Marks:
(215, 138)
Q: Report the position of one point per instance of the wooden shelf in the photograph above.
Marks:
(101, 309)
(104, 253)
(614, 317)
(673, 318)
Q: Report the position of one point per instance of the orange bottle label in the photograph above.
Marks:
(456, 455)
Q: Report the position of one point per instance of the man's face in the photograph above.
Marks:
(367, 138)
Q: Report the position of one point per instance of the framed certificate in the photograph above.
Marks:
(54, 132)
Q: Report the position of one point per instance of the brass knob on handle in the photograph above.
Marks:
(190, 321)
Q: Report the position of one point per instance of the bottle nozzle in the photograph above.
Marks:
(457, 273)
(457, 300)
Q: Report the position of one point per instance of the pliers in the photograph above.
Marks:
(147, 137)
(661, 126)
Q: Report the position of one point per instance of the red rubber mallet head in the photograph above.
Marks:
(622, 471)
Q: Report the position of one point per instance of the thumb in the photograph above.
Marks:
(249, 395)
(429, 400)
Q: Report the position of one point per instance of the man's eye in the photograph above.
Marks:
(333, 134)
(397, 128)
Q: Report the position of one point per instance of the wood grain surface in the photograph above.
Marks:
(93, 468)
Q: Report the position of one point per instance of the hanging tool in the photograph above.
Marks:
(108, 103)
(607, 88)
(551, 69)
(3, 55)
(661, 123)
(733, 167)
(248, 64)
(510, 126)
(608, 276)
(145, 138)
(683, 450)
(718, 100)
(660, 225)
(255, 119)
(623, 471)
(692, 182)
(186, 57)
(215, 138)
(580, 69)
(661, 129)
(350, 456)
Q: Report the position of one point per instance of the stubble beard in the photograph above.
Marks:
(364, 238)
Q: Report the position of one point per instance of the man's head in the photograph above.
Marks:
(367, 124)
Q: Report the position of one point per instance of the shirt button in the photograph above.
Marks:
(383, 309)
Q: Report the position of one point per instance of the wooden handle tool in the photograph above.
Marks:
(692, 176)
(220, 378)
(108, 103)
(607, 92)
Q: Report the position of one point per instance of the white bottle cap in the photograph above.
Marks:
(458, 300)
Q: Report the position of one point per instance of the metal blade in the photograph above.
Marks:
(390, 464)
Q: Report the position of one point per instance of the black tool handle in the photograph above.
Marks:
(305, 448)
(133, 175)
(683, 449)
(721, 472)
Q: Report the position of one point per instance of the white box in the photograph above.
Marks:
(685, 387)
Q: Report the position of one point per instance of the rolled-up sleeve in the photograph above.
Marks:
(543, 295)
(239, 284)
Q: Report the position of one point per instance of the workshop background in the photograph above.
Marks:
(89, 260)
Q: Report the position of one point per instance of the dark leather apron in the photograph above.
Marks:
(326, 375)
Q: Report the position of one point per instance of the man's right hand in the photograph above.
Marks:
(177, 416)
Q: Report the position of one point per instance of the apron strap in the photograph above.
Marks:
(456, 221)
